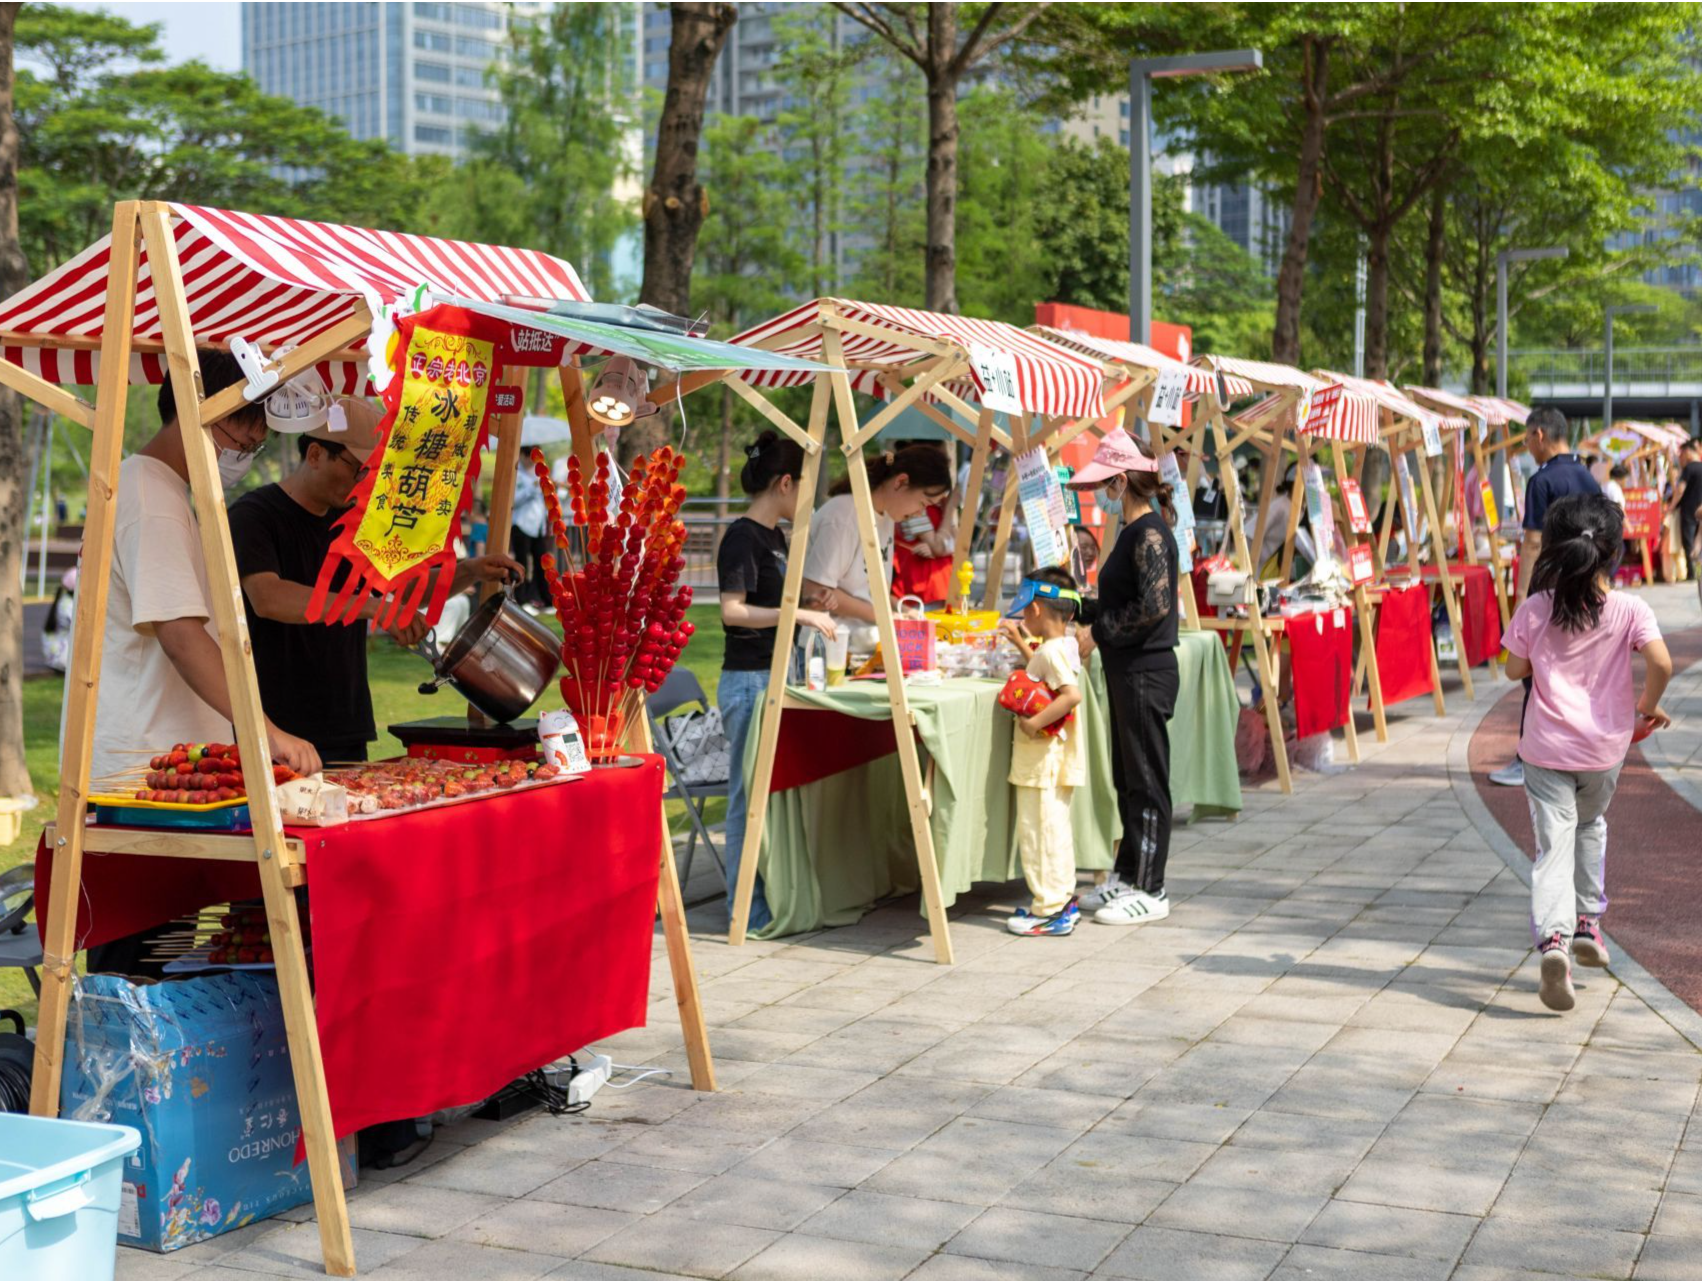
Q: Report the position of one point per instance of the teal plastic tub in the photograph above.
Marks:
(59, 1197)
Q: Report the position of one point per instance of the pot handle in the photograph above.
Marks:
(427, 649)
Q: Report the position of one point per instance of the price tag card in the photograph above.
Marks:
(996, 371)
(1166, 407)
(1359, 563)
(1358, 518)
(1431, 426)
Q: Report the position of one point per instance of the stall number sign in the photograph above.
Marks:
(1358, 518)
(1431, 426)
(1359, 563)
(1166, 407)
(1320, 410)
(505, 400)
(996, 372)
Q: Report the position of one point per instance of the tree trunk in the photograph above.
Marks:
(723, 458)
(675, 204)
(1483, 281)
(1291, 276)
(1377, 303)
(14, 465)
(940, 285)
(1433, 249)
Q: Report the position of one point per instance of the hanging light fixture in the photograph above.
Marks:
(621, 393)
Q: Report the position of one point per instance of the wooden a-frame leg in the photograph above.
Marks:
(1264, 654)
(774, 697)
(82, 682)
(964, 539)
(294, 992)
(670, 904)
(1450, 601)
(903, 728)
(995, 583)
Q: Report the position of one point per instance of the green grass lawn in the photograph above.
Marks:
(394, 675)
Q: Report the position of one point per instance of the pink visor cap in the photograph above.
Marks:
(1117, 453)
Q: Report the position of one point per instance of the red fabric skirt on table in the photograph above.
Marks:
(1320, 648)
(1403, 640)
(454, 949)
(1480, 615)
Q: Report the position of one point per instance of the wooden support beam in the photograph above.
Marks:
(49, 396)
(222, 404)
(769, 410)
(939, 373)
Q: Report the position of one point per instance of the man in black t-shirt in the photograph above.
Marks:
(1687, 500)
(313, 676)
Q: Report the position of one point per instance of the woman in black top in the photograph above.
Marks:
(751, 573)
(1134, 629)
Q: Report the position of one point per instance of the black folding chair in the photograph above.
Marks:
(682, 691)
(19, 947)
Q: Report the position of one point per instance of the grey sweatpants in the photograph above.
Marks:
(1568, 815)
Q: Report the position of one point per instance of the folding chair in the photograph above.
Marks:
(19, 946)
(682, 691)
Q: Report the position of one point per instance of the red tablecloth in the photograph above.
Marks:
(1320, 648)
(1403, 644)
(817, 743)
(1480, 615)
(453, 949)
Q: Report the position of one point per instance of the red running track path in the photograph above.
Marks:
(1654, 848)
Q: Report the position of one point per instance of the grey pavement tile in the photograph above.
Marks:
(1162, 1254)
(1581, 1198)
(1241, 1029)
(543, 1227)
(832, 1164)
(293, 1250)
(960, 1267)
(1466, 1184)
(142, 1265)
(1198, 1122)
(1513, 1243)
(1467, 1118)
(794, 1080)
(1143, 1156)
(1322, 1263)
(1338, 1095)
(671, 1242)
(972, 1160)
(890, 1220)
(1686, 1173)
(1026, 1237)
(796, 1256)
(605, 1185)
(1275, 1169)
(1265, 1214)
(496, 1172)
(1488, 1079)
(1383, 1229)
(1680, 1215)
(1669, 1258)
(1090, 1191)
(458, 1261)
(1322, 1134)
(1061, 1109)
(755, 1203)
(696, 1150)
(417, 1209)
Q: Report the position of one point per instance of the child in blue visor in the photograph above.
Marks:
(1047, 768)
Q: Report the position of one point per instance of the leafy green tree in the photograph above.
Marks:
(816, 72)
(886, 232)
(1004, 184)
(14, 502)
(745, 256)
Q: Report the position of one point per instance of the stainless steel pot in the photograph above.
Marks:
(500, 660)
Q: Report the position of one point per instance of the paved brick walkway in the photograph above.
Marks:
(1329, 1062)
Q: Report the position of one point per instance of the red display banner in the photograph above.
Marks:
(1322, 410)
(506, 400)
(1320, 650)
(1404, 644)
(1358, 518)
(1642, 514)
(398, 538)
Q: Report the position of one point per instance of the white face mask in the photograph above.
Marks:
(1109, 496)
(233, 466)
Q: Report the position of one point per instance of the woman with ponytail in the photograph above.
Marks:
(1573, 637)
(751, 571)
(902, 484)
(1134, 629)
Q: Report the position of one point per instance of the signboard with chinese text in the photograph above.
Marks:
(1358, 518)
(1642, 513)
(996, 373)
(1165, 409)
(1359, 568)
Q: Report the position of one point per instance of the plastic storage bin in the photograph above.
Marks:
(59, 1191)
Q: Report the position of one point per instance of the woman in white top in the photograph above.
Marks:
(902, 484)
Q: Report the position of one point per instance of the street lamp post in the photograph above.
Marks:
(1622, 309)
(1498, 467)
(1142, 72)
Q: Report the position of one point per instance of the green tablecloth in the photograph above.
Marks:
(833, 848)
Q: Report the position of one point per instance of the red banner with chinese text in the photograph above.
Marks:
(1642, 513)
(398, 537)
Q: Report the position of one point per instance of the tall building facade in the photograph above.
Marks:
(412, 74)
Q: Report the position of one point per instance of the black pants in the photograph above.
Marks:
(1687, 523)
(1142, 703)
(530, 552)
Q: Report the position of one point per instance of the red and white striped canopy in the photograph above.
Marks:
(1464, 408)
(1201, 381)
(1051, 380)
(275, 281)
(1261, 375)
(1397, 402)
(1500, 411)
(1324, 408)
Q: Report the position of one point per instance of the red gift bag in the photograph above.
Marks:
(915, 638)
(1025, 696)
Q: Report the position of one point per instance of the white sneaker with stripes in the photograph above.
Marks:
(1102, 894)
(1126, 905)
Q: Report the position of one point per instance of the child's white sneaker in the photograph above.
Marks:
(1129, 906)
(1556, 991)
(1100, 895)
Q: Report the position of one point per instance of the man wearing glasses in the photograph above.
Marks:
(162, 677)
(312, 675)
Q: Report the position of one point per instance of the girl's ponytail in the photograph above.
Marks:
(1582, 541)
(767, 459)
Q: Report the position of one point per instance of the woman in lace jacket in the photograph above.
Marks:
(1134, 629)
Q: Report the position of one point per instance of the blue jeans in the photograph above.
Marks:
(737, 696)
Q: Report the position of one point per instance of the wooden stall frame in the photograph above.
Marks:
(278, 860)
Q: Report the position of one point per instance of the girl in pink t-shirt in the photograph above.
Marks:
(1574, 638)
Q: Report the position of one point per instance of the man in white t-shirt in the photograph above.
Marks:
(162, 678)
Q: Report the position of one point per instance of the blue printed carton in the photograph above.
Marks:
(201, 1068)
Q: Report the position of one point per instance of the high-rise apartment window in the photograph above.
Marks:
(436, 104)
(472, 15)
(473, 47)
(436, 12)
(436, 72)
(434, 134)
(478, 109)
(470, 77)
(436, 41)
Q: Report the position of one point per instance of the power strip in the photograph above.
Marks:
(591, 1077)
